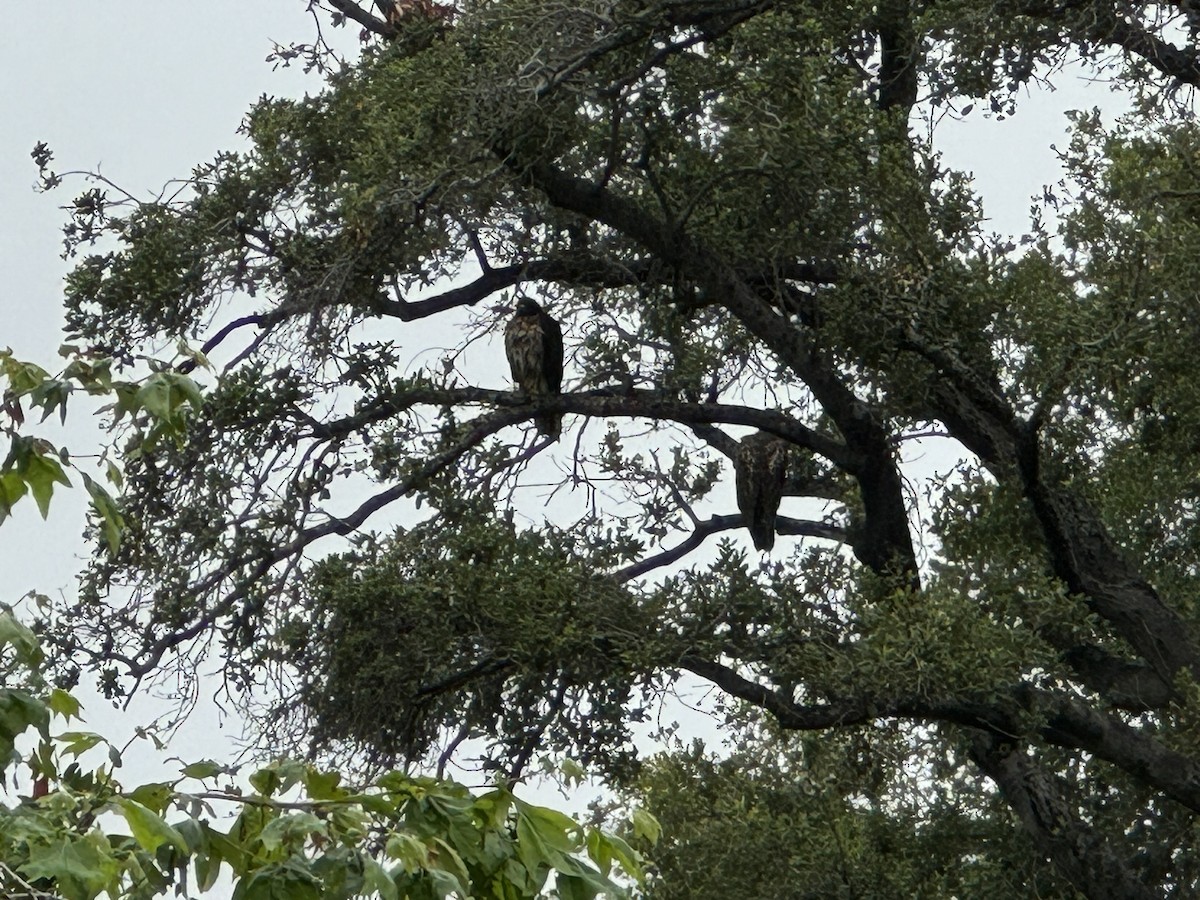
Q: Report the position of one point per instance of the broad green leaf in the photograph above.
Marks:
(50, 395)
(348, 822)
(249, 825)
(42, 472)
(154, 396)
(340, 870)
(590, 880)
(599, 850)
(611, 847)
(12, 489)
(279, 881)
(230, 847)
(205, 768)
(494, 806)
(373, 803)
(557, 828)
(291, 830)
(323, 785)
(376, 878)
(194, 835)
(446, 884)
(646, 826)
(20, 710)
(572, 888)
(446, 858)
(63, 704)
(106, 508)
(81, 867)
(572, 771)
(76, 743)
(20, 638)
(184, 389)
(154, 795)
(266, 781)
(408, 851)
(149, 829)
(127, 402)
(23, 377)
(208, 870)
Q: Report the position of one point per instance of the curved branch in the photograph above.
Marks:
(1081, 552)
(715, 524)
(602, 402)
(1160, 54)
(1059, 719)
(577, 268)
(887, 539)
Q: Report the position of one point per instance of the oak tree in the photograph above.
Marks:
(738, 212)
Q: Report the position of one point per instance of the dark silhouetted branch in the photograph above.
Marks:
(716, 524)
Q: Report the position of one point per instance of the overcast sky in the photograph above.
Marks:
(143, 90)
(142, 93)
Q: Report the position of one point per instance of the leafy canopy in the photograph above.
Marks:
(738, 211)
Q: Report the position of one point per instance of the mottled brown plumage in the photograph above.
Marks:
(533, 344)
(761, 468)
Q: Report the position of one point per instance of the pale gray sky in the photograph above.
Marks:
(142, 93)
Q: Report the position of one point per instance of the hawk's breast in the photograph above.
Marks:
(523, 346)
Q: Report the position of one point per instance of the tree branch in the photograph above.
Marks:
(1038, 799)
(353, 11)
(716, 524)
(576, 268)
(602, 402)
(1023, 711)
(1081, 552)
(261, 564)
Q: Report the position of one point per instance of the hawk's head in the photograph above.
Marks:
(527, 307)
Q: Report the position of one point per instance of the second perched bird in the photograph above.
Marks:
(761, 468)
(533, 344)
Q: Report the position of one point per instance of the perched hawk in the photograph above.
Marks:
(533, 343)
(761, 468)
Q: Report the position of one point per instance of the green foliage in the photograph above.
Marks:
(298, 833)
(837, 816)
(399, 636)
(158, 406)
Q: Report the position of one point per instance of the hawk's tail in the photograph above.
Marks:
(550, 426)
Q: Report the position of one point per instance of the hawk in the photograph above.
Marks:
(533, 344)
(760, 467)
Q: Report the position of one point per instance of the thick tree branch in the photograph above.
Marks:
(1128, 685)
(713, 18)
(898, 50)
(1039, 800)
(1020, 713)
(1162, 55)
(1082, 554)
(573, 270)
(356, 13)
(1071, 723)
